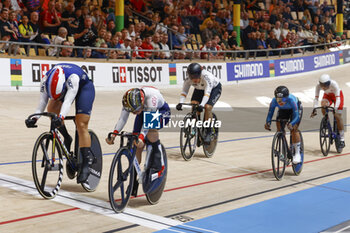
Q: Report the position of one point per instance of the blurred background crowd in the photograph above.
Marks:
(164, 25)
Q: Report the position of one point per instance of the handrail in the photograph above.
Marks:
(193, 54)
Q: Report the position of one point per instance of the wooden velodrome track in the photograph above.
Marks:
(239, 174)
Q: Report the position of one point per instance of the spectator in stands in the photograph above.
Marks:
(208, 32)
(86, 34)
(175, 42)
(125, 34)
(143, 31)
(224, 40)
(66, 52)
(111, 27)
(51, 19)
(14, 26)
(277, 30)
(164, 46)
(68, 18)
(204, 25)
(156, 44)
(261, 44)
(114, 42)
(100, 53)
(273, 17)
(108, 37)
(206, 47)
(61, 37)
(135, 46)
(182, 36)
(38, 37)
(272, 43)
(186, 21)
(285, 30)
(147, 45)
(25, 29)
(126, 45)
(86, 53)
(315, 36)
(232, 41)
(228, 21)
(96, 17)
(100, 39)
(131, 30)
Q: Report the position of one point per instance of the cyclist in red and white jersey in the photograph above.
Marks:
(138, 101)
(332, 94)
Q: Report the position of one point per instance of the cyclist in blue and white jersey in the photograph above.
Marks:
(63, 84)
(289, 108)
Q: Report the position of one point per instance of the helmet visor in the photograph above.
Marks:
(281, 99)
(325, 84)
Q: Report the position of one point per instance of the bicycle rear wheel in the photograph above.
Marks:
(47, 166)
(154, 196)
(121, 179)
(188, 139)
(325, 136)
(297, 168)
(93, 179)
(209, 149)
(279, 155)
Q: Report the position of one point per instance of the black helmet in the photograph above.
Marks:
(194, 71)
(281, 92)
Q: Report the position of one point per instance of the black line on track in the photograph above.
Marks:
(236, 199)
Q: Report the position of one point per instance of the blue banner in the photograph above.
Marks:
(247, 70)
(305, 64)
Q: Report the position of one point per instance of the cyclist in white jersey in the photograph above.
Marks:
(206, 93)
(332, 94)
(138, 101)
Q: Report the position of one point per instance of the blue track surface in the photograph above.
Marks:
(311, 210)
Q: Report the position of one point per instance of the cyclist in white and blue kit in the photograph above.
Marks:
(289, 108)
(206, 93)
(63, 84)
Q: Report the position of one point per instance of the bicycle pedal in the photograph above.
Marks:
(55, 167)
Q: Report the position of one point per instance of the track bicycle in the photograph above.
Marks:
(282, 153)
(329, 134)
(125, 174)
(47, 160)
(192, 136)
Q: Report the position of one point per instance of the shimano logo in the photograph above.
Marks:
(96, 173)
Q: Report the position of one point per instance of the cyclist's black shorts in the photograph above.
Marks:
(287, 114)
(214, 95)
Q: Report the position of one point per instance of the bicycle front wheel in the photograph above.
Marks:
(297, 168)
(47, 166)
(188, 139)
(325, 136)
(279, 155)
(121, 179)
(210, 148)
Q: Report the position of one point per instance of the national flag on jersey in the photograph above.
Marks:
(16, 72)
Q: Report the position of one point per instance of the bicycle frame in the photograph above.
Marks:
(333, 130)
(283, 131)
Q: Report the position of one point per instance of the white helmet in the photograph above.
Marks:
(55, 83)
(325, 80)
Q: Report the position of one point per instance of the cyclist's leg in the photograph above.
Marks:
(197, 96)
(83, 105)
(55, 107)
(137, 129)
(296, 136)
(326, 102)
(213, 98)
(338, 117)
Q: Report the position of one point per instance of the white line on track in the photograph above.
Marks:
(96, 206)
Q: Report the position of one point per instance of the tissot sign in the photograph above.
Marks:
(137, 74)
(217, 69)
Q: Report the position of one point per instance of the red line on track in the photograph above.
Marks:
(38, 216)
(173, 189)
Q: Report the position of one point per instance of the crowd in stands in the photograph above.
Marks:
(163, 25)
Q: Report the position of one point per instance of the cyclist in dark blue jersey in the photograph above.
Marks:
(63, 84)
(289, 108)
